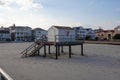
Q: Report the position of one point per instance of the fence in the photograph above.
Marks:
(63, 38)
(4, 75)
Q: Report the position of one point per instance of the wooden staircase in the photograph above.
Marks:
(32, 50)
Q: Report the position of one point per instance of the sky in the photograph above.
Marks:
(73, 13)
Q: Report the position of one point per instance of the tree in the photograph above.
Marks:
(88, 37)
(117, 36)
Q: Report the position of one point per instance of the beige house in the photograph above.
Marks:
(107, 34)
(117, 30)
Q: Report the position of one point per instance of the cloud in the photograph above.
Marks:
(23, 4)
(28, 4)
(1, 3)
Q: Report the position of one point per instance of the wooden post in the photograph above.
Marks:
(44, 50)
(69, 51)
(58, 50)
(62, 49)
(56, 55)
(82, 50)
(49, 49)
(38, 52)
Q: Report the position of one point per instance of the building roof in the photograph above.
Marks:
(117, 27)
(63, 27)
(109, 31)
(13, 27)
(39, 29)
(22, 27)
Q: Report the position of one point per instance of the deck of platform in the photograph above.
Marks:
(61, 44)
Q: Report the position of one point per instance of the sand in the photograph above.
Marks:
(101, 62)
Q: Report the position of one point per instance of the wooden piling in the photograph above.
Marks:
(69, 51)
(58, 50)
(49, 49)
(62, 49)
(82, 50)
(56, 55)
(44, 50)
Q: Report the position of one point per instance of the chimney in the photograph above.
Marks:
(13, 25)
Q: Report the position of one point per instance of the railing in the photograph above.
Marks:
(42, 40)
(63, 38)
(4, 75)
(33, 52)
(33, 47)
(27, 49)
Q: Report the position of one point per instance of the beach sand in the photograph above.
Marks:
(101, 62)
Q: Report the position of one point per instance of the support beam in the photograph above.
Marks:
(62, 49)
(44, 50)
(49, 49)
(69, 51)
(56, 55)
(58, 50)
(38, 52)
(82, 50)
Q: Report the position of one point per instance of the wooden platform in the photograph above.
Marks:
(64, 43)
(61, 44)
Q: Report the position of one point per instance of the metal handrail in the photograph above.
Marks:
(31, 46)
(4, 75)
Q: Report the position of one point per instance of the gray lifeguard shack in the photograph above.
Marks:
(59, 36)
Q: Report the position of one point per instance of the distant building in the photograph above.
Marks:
(105, 34)
(98, 30)
(61, 34)
(4, 34)
(81, 33)
(39, 33)
(90, 32)
(20, 33)
(117, 30)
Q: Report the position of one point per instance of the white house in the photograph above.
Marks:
(4, 34)
(20, 33)
(80, 32)
(61, 34)
(90, 32)
(39, 33)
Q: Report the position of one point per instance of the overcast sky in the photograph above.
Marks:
(45, 13)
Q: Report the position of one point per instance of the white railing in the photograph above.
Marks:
(63, 38)
(4, 75)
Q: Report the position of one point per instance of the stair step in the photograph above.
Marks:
(33, 52)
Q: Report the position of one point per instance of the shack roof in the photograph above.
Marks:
(63, 27)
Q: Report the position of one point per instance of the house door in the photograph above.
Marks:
(109, 37)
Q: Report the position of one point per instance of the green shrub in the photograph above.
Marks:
(117, 36)
(88, 38)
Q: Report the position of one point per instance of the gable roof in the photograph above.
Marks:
(117, 27)
(13, 27)
(39, 29)
(63, 27)
(109, 31)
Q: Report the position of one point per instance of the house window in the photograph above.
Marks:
(17, 33)
(102, 35)
(118, 29)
